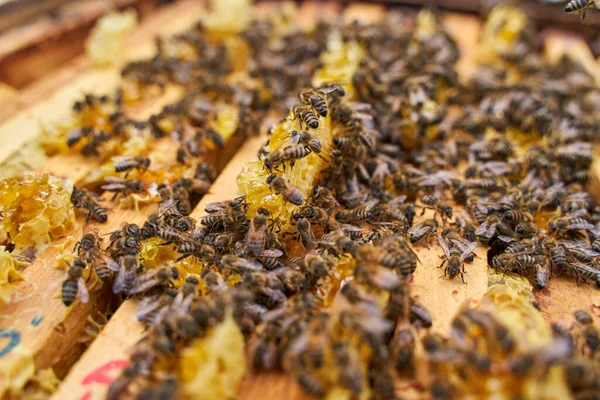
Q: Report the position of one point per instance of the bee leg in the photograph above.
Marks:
(462, 278)
(126, 174)
(89, 217)
(443, 262)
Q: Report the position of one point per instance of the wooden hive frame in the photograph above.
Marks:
(51, 341)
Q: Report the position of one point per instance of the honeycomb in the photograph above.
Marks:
(9, 272)
(105, 45)
(212, 366)
(37, 209)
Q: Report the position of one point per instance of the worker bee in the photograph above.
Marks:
(557, 251)
(95, 141)
(126, 274)
(256, 237)
(377, 277)
(405, 262)
(127, 164)
(423, 231)
(81, 198)
(126, 245)
(312, 98)
(455, 257)
(127, 230)
(307, 139)
(282, 186)
(403, 347)
(358, 214)
(541, 275)
(575, 221)
(155, 277)
(124, 187)
(305, 233)
(74, 285)
(350, 375)
(237, 264)
(90, 241)
(75, 135)
(338, 242)
(436, 204)
(189, 247)
(490, 227)
(182, 197)
(306, 116)
(316, 266)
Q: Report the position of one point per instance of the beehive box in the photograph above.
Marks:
(39, 332)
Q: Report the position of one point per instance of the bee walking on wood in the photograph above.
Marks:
(455, 257)
(74, 286)
(128, 164)
(81, 198)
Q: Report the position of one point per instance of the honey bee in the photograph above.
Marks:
(89, 242)
(306, 116)
(256, 238)
(423, 231)
(305, 233)
(376, 276)
(126, 274)
(202, 251)
(316, 266)
(74, 285)
(182, 197)
(126, 245)
(405, 262)
(455, 257)
(338, 242)
(81, 198)
(436, 204)
(350, 375)
(119, 386)
(557, 251)
(239, 264)
(570, 222)
(312, 98)
(75, 135)
(127, 230)
(155, 277)
(358, 214)
(403, 347)
(541, 275)
(314, 215)
(282, 186)
(95, 141)
(127, 164)
(307, 139)
(124, 187)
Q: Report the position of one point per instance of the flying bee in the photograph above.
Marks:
(436, 204)
(74, 285)
(455, 258)
(306, 116)
(81, 198)
(423, 231)
(256, 238)
(155, 277)
(312, 98)
(127, 164)
(282, 186)
(124, 187)
(580, 7)
(126, 274)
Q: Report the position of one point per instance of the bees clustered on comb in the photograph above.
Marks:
(400, 138)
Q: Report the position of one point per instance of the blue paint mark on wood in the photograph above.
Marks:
(15, 339)
(37, 320)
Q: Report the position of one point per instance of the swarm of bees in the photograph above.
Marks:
(325, 295)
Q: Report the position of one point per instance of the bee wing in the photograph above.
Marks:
(370, 204)
(581, 225)
(118, 159)
(119, 284)
(418, 230)
(113, 186)
(385, 278)
(146, 306)
(271, 253)
(215, 207)
(507, 239)
(580, 213)
(467, 250)
(169, 205)
(444, 246)
(275, 294)
(113, 179)
(397, 201)
(82, 292)
(110, 264)
(486, 229)
(142, 286)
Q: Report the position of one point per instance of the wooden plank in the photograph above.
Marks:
(99, 354)
(105, 349)
(36, 48)
(52, 99)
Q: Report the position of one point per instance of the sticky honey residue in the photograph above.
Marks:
(213, 366)
(36, 210)
(9, 273)
(16, 369)
(106, 43)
